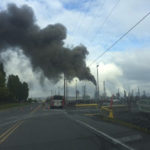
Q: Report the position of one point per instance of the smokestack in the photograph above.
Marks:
(44, 47)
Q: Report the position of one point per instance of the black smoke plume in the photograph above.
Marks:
(44, 47)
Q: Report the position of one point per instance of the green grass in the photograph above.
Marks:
(123, 123)
(4, 106)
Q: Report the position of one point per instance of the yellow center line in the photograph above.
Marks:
(35, 109)
(6, 134)
(9, 131)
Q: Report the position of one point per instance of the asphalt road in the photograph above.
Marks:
(37, 128)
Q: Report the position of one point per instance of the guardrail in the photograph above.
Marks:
(109, 112)
(87, 105)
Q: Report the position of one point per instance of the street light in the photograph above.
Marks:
(97, 83)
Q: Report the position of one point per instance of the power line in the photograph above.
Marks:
(121, 37)
(107, 17)
(110, 13)
(82, 17)
(99, 13)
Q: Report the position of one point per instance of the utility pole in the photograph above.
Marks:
(97, 83)
(58, 90)
(138, 92)
(76, 90)
(118, 94)
(64, 88)
(84, 91)
(104, 90)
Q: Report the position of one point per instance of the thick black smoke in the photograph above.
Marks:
(44, 47)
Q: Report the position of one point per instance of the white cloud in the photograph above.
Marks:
(111, 74)
(134, 64)
(123, 69)
(17, 63)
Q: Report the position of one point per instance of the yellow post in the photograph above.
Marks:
(111, 115)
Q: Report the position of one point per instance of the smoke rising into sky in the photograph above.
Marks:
(44, 47)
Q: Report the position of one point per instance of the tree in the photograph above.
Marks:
(4, 93)
(15, 90)
(18, 90)
(2, 76)
(14, 85)
(24, 91)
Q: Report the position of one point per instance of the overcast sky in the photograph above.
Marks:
(96, 24)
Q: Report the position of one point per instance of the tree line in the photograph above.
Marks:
(12, 89)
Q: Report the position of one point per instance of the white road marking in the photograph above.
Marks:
(114, 140)
(131, 138)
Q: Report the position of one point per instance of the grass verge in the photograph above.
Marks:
(123, 123)
(4, 106)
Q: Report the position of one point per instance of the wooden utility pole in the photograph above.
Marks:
(97, 83)
(64, 88)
